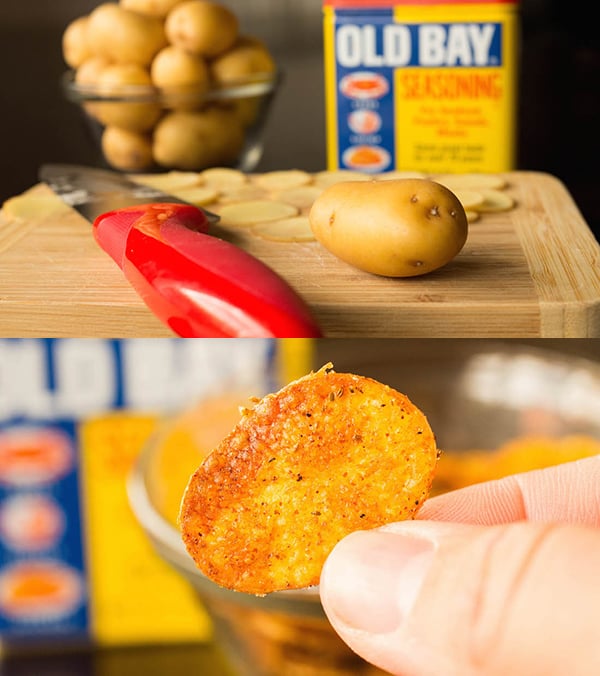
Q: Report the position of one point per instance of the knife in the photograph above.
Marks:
(197, 284)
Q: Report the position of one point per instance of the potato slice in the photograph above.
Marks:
(31, 206)
(471, 181)
(294, 229)
(393, 175)
(224, 178)
(282, 180)
(472, 216)
(200, 195)
(301, 197)
(243, 193)
(495, 200)
(170, 181)
(324, 179)
(328, 454)
(470, 199)
(243, 214)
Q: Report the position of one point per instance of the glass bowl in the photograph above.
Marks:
(476, 395)
(140, 128)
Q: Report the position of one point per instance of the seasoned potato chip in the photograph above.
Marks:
(328, 454)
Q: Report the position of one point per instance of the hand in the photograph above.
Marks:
(497, 578)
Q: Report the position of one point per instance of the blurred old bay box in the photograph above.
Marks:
(75, 567)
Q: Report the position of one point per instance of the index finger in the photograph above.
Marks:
(567, 493)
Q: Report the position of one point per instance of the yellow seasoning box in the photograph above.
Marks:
(421, 85)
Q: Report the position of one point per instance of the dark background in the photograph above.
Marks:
(559, 107)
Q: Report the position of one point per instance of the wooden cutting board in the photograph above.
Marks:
(533, 271)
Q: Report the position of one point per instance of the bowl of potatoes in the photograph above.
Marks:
(170, 84)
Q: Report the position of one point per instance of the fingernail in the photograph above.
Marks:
(373, 578)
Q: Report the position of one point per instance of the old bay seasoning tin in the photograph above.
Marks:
(423, 85)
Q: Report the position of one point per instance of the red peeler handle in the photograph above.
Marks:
(197, 284)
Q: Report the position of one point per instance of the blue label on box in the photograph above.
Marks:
(365, 95)
(43, 579)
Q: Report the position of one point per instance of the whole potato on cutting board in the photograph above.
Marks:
(396, 228)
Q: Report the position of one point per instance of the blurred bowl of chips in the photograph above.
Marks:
(496, 409)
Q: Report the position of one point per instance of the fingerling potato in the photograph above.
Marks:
(395, 228)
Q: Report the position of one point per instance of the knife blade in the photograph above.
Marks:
(198, 284)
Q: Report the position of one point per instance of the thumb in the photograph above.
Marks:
(423, 598)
